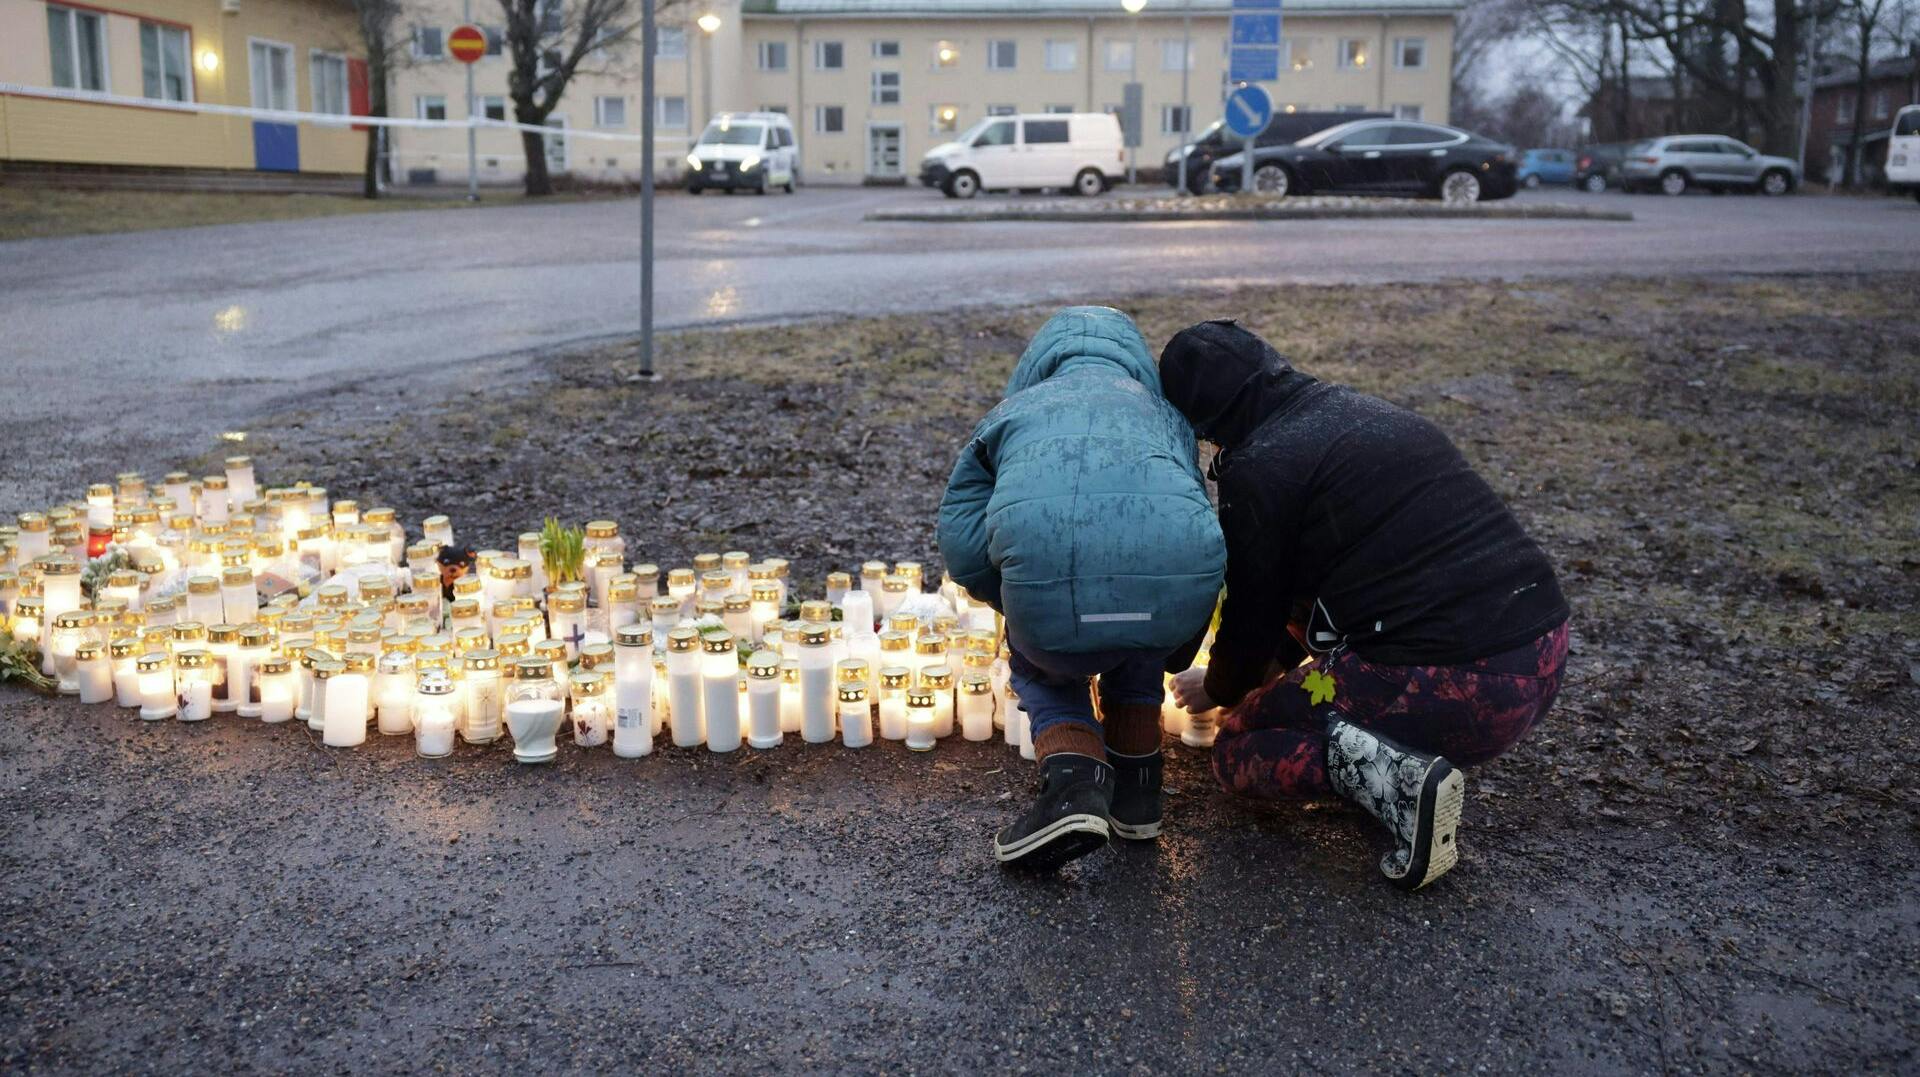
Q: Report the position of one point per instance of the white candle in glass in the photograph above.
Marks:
(485, 702)
(433, 716)
(529, 549)
(720, 677)
(920, 736)
(856, 717)
(393, 693)
(223, 644)
(157, 696)
(566, 621)
(276, 681)
(864, 647)
(976, 707)
(437, 530)
(348, 697)
(241, 487)
(99, 505)
(737, 615)
(763, 700)
(871, 575)
(1201, 729)
(856, 612)
(64, 640)
(124, 654)
(193, 685)
(838, 585)
(739, 565)
(203, 600)
(684, 687)
(939, 681)
(665, 613)
(213, 507)
(893, 591)
(816, 684)
(592, 716)
(623, 602)
(789, 695)
(33, 538)
(94, 672)
(763, 607)
(894, 682)
(681, 586)
(633, 690)
(255, 643)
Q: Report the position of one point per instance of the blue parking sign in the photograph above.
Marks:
(1253, 63)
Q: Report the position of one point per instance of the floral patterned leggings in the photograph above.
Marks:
(1274, 744)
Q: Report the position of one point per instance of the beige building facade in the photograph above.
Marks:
(871, 85)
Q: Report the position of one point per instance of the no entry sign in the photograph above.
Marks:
(467, 43)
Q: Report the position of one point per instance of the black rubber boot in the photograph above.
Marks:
(1068, 821)
(1418, 797)
(1136, 795)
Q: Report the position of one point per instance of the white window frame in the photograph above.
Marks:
(1346, 53)
(439, 53)
(660, 117)
(1072, 49)
(820, 55)
(1170, 49)
(1167, 113)
(600, 102)
(1116, 56)
(74, 15)
(1003, 110)
(253, 82)
(420, 104)
(1409, 112)
(878, 91)
(993, 54)
(1880, 105)
(1349, 108)
(486, 100)
(316, 59)
(496, 40)
(1059, 110)
(781, 109)
(886, 48)
(762, 51)
(820, 119)
(1400, 53)
(664, 49)
(160, 30)
(1843, 107)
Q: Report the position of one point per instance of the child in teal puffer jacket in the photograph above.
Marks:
(1077, 510)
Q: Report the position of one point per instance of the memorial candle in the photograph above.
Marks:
(816, 684)
(213, 506)
(763, 607)
(124, 584)
(529, 550)
(124, 654)
(976, 707)
(789, 695)
(94, 673)
(193, 684)
(601, 570)
(592, 717)
(920, 736)
(437, 530)
(684, 687)
(856, 717)
(763, 700)
(100, 505)
(433, 716)
(157, 698)
(838, 584)
(856, 612)
(59, 593)
(485, 702)
(623, 602)
(894, 682)
(383, 523)
(348, 700)
(681, 585)
(633, 691)
(781, 572)
(276, 689)
(223, 644)
(893, 591)
(203, 600)
(304, 658)
(70, 630)
(241, 487)
(464, 613)
(939, 681)
(737, 615)
(393, 690)
(28, 613)
(665, 613)
(720, 703)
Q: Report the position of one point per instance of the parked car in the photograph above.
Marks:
(1675, 163)
(744, 151)
(1545, 166)
(1903, 152)
(1598, 166)
(1216, 142)
(1392, 157)
(1078, 151)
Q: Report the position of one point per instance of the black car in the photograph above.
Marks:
(1381, 157)
(1284, 129)
(1598, 166)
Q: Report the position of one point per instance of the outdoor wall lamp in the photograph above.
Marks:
(708, 23)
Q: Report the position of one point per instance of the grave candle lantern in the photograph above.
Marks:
(93, 672)
(464, 613)
(529, 550)
(566, 621)
(737, 614)
(623, 602)
(633, 691)
(665, 612)
(871, 575)
(33, 538)
(124, 654)
(893, 591)
(59, 593)
(894, 681)
(393, 691)
(386, 538)
(789, 695)
(241, 487)
(913, 573)
(277, 689)
(838, 584)
(781, 572)
(720, 674)
(124, 585)
(157, 698)
(213, 506)
(68, 633)
(816, 684)
(976, 707)
(348, 699)
(592, 718)
(193, 683)
(603, 536)
(601, 570)
(485, 703)
(763, 700)
(346, 513)
(437, 530)
(856, 612)
(100, 506)
(683, 687)
(223, 643)
(303, 702)
(920, 719)
(856, 717)
(646, 583)
(203, 600)
(239, 602)
(681, 586)
(939, 681)
(433, 716)
(764, 607)
(28, 613)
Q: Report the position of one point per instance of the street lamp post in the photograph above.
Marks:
(1133, 8)
(709, 25)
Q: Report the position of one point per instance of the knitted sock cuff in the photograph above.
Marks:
(1077, 738)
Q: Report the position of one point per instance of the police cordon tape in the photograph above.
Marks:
(320, 119)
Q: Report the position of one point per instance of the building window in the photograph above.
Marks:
(1063, 55)
(773, 56)
(270, 75)
(1001, 110)
(1176, 55)
(886, 50)
(496, 40)
(429, 107)
(1294, 55)
(1881, 104)
(1119, 56)
(886, 87)
(1406, 112)
(1843, 108)
(329, 73)
(1059, 109)
(1353, 52)
(428, 43)
(829, 55)
(609, 112)
(1002, 55)
(829, 119)
(670, 42)
(77, 44)
(946, 119)
(493, 107)
(671, 112)
(163, 63)
(1410, 52)
(1175, 119)
(781, 109)
(1349, 108)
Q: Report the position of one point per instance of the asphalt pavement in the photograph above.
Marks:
(166, 338)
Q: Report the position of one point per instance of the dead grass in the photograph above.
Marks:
(37, 213)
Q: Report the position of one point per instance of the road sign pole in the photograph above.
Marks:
(647, 45)
(473, 148)
(1246, 166)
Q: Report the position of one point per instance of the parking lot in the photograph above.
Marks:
(283, 308)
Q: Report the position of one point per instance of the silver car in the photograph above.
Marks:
(1674, 163)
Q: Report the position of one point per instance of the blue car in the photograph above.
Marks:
(1546, 166)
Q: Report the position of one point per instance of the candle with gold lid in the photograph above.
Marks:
(193, 684)
(684, 688)
(239, 602)
(939, 681)
(975, 706)
(704, 563)
(704, 608)
(485, 702)
(739, 565)
(646, 578)
(344, 724)
(764, 607)
(906, 624)
(157, 696)
(277, 689)
(592, 716)
(528, 544)
(682, 583)
(604, 535)
(665, 613)
(816, 684)
(623, 601)
(212, 505)
(920, 736)
(124, 655)
(255, 644)
(838, 584)
(893, 591)
(100, 505)
(633, 690)
(465, 613)
(130, 488)
(437, 530)
(871, 575)
(433, 716)
(715, 585)
(790, 695)
(385, 522)
(894, 682)
(346, 513)
(720, 698)
(223, 643)
(70, 631)
(597, 657)
(566, 621)
(738, 616)
(241, 487)
(763, 700)
(299, 650)
(856, 717)
(34, 537)
(187, 636)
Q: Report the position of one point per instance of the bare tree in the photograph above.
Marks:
(1867, 23)
(379, 22)
(1479, 29)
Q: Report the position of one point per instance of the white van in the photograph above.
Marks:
(1077, 151)
(744, 151)
(1903, 152)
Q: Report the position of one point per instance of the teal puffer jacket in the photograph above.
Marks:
(1077, 508)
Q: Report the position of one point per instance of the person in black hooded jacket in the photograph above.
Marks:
(1386, 617)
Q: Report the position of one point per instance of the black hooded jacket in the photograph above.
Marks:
(1351, 516)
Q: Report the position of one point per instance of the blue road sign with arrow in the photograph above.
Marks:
(1248, 110)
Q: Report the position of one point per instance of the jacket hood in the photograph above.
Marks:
(1226, 380)
(1085, 335)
